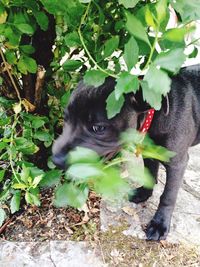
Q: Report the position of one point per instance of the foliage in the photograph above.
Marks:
(93, 39)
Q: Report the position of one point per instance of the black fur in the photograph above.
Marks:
(177, 131)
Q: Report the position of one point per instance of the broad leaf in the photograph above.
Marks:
(83, 155)
(128, 3)
(153, 98)
(51, 178)
(114, 106)
(171, 60)
(43, 136)
(111, 186)
(94, 78)
(42, 20)
(158, 80)
(110, 46)
(72, 65)
(84, 171)
(28, 49)
(15, 202)
(131, 53)
(161, 8)
(135, 27)
(189, 10)
(126, 83)
(25, 28)
(70, 195)
(176, 35)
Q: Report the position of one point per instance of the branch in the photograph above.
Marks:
(39, 85)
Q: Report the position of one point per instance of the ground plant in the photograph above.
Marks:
(46, 47)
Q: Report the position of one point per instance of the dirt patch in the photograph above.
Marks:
(50, 223)
(123, 251)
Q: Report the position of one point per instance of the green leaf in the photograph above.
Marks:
(153, 98)
(11, 57)
(158, 80)
(171, 60)
(15, 202)
(194, 53)
(28, 49)
(37, 122)
(142, 176)
(149, 17)
(135, 27)
(42, 20)
(31, 64)
(161, 8)
(83, 155)
(131, 53)
(94, 78)
(2, 173)
(25, 28)
(114, 106)
(25, 146)
(128, 3)
(22, 66)
(72, 39)
(25, 173)
(189, 10)
(32, 198)
(19, 186)
(110, 46)
(157, 152)
(36, 181)
(51, 178)
(111, 186)
(3, 17)
(72, 65)
(176, 35)
(70, 195)
(43, 136)
(27, 64)
(84, 171)
(126, 83)
(2, 216)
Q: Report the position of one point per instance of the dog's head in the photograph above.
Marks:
(86, 123)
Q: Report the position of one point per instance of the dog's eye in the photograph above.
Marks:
(98, 128)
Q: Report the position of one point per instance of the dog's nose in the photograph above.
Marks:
(59, 160)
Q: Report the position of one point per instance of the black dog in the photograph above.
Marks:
(86, 125)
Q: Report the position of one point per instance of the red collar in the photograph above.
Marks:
(147, 123)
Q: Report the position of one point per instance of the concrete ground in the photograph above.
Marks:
(185, 227)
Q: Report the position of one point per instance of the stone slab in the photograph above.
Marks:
(49, 254)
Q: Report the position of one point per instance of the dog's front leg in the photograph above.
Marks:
(159, 226)
(141, 194)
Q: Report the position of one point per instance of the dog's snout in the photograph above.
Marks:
(59, 160)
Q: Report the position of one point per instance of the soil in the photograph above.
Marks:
(50, 223)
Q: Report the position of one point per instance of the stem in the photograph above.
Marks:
(11, 145)
(10, 75)
(116, 162)
(193, 42)
(85, 47)
(151, 53)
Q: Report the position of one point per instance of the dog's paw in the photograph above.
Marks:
(140, 194)
(157, 230)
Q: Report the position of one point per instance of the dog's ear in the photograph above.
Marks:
(137, 102)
